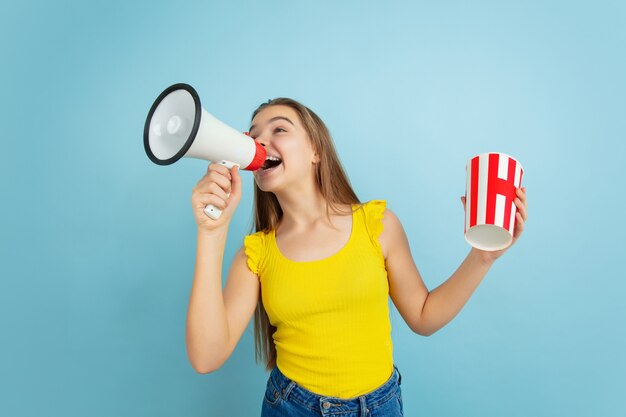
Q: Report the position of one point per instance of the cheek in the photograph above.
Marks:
(296, 151)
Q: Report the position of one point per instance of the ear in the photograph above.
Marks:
(316, 158)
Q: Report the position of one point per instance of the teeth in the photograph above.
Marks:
(271, 158)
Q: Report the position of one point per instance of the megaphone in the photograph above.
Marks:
(177, 126)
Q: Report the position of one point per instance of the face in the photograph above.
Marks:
(279, 130)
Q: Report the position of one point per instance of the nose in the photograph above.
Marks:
(255, 139)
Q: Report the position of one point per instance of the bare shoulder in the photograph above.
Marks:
(406, 287)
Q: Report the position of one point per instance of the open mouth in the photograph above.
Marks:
(270, 163)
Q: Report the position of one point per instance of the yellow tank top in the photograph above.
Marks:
(333, 332)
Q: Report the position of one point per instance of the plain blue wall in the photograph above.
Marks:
(98, 244)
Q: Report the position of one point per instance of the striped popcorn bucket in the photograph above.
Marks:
(492, 179)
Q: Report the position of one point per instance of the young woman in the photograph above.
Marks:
(317, 274)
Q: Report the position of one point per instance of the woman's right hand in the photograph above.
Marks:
(213, 188)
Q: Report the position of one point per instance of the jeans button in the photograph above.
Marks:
(326, 404)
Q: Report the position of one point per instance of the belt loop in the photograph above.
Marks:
(291, 385)
(284, 384)
(364, 411)
(399, 375)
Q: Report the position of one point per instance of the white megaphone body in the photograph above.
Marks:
(177, 126)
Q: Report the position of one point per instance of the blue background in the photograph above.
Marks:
(98, 244)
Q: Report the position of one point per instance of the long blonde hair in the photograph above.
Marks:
(334, 186)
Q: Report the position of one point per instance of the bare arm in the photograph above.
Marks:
(207, 326)
(426, 312)
(444, 302)
(216, 319)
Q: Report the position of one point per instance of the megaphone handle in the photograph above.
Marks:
(210, 210)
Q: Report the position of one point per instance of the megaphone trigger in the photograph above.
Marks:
(229, 164)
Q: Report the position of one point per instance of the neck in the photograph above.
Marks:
(302, 208)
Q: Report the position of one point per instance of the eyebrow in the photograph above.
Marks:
(273, 119)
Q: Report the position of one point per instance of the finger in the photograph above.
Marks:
(214, 169)
(218, 178)
(214, 188)
(521, 193)
(211, 189)
(206, 199)
(209, 185)
(519, 224)
(202, 197)
(219, 168)
(521, 208)
(236, 183)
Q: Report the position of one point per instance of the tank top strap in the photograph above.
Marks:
(372, 220)
(255, 251)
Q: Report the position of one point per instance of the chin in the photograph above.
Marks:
(264, 189)
(264, 185)
(270, 182)
(277, 181)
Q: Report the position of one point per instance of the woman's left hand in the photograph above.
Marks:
(520, 216)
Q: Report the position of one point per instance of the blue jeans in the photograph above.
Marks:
(284, 397)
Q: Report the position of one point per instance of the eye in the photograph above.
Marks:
(279, 129)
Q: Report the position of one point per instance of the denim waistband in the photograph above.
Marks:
(289, 389)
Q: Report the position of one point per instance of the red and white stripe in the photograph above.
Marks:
(492, 179)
